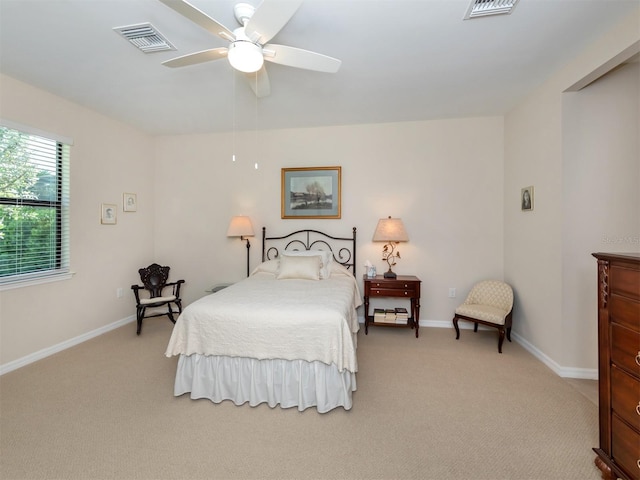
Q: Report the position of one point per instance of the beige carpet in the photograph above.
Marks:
(427, 408)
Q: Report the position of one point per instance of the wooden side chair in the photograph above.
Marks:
(152, 294)
(489, 303)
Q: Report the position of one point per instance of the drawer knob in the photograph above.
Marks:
(638, 359)
(638, 408)
(406, 293)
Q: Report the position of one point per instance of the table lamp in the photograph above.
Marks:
(391, 231)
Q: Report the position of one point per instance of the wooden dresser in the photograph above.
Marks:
(619, 365)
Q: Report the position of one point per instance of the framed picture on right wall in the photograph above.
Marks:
(526, 199)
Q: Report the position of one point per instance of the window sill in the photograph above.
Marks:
(36, 281)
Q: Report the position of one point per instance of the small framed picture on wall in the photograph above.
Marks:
(129, 202)
(526, 198)
(108, 214)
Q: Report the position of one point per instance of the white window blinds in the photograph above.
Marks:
(34, 207)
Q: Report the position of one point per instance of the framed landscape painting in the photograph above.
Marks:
(311, 192)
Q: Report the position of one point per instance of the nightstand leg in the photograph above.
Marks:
(415, 310)
(366, 315)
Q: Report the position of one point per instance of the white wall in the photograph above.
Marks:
(601, 196)
(107, 159)
(534, 243)
(443, 178)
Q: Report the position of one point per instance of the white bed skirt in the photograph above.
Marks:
(288, 383)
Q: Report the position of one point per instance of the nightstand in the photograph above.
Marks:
(405, 286)
(218, 287)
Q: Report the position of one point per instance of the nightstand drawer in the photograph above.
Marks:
(392, 292)
(393, 285)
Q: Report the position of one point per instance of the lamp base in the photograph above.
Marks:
(390, 274)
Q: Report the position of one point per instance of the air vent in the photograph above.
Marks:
(482, 8)
(145, 37)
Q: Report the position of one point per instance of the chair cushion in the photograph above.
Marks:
(486, 313)
(149, 301)
(491, 292)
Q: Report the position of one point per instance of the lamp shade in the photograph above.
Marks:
(390, 230)
(245, 56)
(240, 226)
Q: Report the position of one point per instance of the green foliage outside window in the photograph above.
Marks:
(29, 204)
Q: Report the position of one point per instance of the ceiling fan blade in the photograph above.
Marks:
(197, 57)
(298, 58)
(199, 17)
(259, 82)
(269, 18)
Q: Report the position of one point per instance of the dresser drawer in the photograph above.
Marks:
(625, 349)
(625, 447)
(625, 397)
(625, 311)
(625, 281)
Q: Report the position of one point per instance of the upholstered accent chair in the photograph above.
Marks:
(490, 303)
(152, 294)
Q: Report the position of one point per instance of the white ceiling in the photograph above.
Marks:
(402, 60)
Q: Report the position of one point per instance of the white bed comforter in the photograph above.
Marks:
(265, 318)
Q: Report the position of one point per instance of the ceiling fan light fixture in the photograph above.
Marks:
(245, 56)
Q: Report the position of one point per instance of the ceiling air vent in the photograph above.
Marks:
(482, 8)
(145, 37)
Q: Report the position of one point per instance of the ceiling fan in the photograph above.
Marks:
(248, 47)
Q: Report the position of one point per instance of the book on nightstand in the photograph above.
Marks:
(402, 315)
(378, 315)
(390, 315)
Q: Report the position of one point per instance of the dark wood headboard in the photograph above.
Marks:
(343, 249)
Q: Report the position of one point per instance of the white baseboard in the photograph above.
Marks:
(564, 372)
(46, 352)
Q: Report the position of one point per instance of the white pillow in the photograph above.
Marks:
(270, 266)
(302, 267)
(326, 258)
(339, 269)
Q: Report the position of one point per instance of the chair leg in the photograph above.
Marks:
(509, 333)
(475, 326)
(455, 324)
(170, 313)
(139, 316)
(500, 339)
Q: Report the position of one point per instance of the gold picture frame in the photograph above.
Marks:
(311, 192)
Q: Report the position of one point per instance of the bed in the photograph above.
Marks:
(286, 335)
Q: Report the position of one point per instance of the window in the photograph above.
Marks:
(34, 207)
